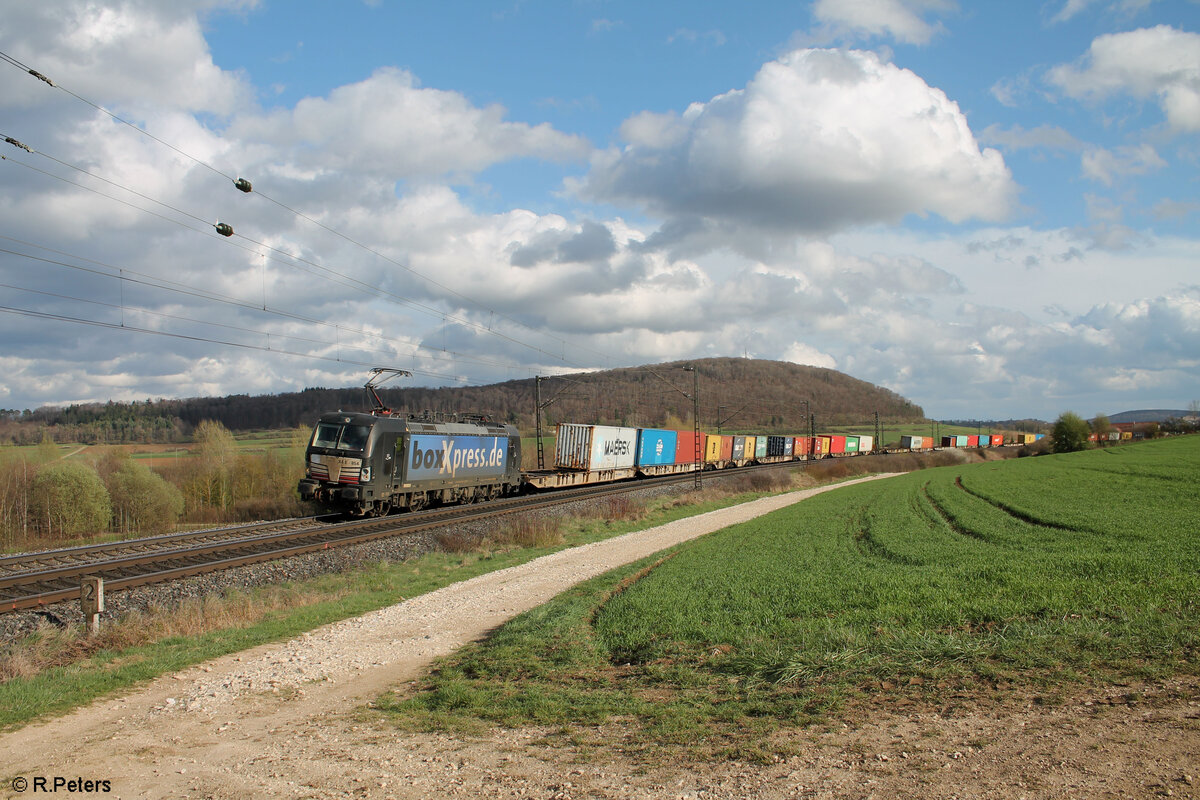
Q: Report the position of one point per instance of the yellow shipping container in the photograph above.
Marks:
(712, 448)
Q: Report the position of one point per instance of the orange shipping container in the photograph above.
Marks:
(685, 447)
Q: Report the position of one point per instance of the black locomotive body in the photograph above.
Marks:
(371, 464)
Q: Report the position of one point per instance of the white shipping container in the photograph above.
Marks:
(594, 447)
(866, 444)
(912, 442)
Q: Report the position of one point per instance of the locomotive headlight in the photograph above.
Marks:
(366, 473)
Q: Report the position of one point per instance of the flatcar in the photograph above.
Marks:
(374, 464)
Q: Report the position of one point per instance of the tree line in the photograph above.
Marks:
(749, 394)
(46, 500)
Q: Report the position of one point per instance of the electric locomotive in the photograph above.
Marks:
(374, 464)
(371, 465)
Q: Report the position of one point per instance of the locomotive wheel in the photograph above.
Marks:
(417, 501)
(383, 508)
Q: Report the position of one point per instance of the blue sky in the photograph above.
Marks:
(990, 208)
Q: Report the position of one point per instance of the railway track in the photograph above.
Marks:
(35, 580)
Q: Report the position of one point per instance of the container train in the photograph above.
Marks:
(372, 464)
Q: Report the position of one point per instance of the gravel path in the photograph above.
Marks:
(280, 720)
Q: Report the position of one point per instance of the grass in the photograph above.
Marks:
(1037, 572)
(51, 671)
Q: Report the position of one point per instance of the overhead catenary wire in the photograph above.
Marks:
(263, 348)
(243, 185)
(288, 259)
(128, 276)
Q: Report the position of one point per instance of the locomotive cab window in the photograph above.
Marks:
(341, 437)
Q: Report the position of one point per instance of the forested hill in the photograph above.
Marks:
(749, 393)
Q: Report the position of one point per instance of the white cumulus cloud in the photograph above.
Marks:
(903, 20)
(388, 124)
(818, 141)
(1160, 62)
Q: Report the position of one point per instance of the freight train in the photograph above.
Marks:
(372, 464)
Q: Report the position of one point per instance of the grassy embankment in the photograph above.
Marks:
(1034, 573)
(54, 671)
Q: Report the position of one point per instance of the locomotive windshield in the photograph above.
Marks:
(341, 437)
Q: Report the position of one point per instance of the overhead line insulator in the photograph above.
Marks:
(224, 229)
(15, 143)
(243, 184)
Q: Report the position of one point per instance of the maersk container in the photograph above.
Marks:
(912, 442)
(760, 446)
(851, 444)
(593, 447)
(997, 439)
(656, 447)
(866, 444)
(739, 448)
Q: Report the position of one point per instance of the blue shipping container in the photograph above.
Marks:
(656, 447)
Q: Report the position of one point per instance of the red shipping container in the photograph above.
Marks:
(972, 441)
(802, 446)
(837, 444)
(685, 447)
(997, 439)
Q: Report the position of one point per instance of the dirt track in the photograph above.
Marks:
(285, 720)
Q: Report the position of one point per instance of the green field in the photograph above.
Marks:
(1037, 572)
